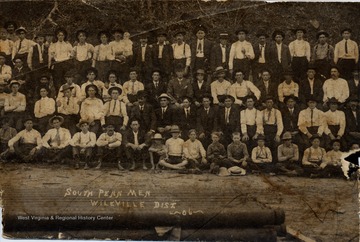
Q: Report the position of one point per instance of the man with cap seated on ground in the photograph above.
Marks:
(195, 153)
(287, 87)
(176, 159)
(220, 52)
(200, 50)
(206, 120)
(335, 87)
(83, 144)
(179, 86)
(313, 157)
(15, 105)
(26, 145)
(279, 56)
(56, 141)
(165, 115)
(267, 87)
(144, 113)
(288, 156)
(68, 108)
(261, 157)
(22, 46)
(335, 124)
(115, 110)
(75, 88)
(300, 52)
(156, 88)
(220, 86)
(136, 145)
(261, 51)
(132, 87)
(311, 122)
(241, 88)
(163, 55)
(352, 117)
(241, 53)
(346, 54)
(181, 52)
(5, 70)
(331, 163)
(200, 86)
(322, 55)
(109, 146)
(311, 86)
(37, 59)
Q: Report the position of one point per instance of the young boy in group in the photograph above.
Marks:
(331, 164)
(83, 144)
(237, 152)
(195, 153)
(44, 110)
(157, 150)
(216, 153)
(313, 156)
(261, 156)
(176, 159)
(288, 156)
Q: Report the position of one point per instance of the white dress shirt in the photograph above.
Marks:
(44, 107)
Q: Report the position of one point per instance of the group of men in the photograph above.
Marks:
(118, 95)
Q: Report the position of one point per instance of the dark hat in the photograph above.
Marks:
(200, 71)
(253, 97)
(315, 136)
(333, 100)
(288, 72)
(3, 54)
(46, 75)
(322, 32)
(103, 33)
(278, 32)
(270, 98)
(27, 118)
(179, 31)
(219, 70)
(114, 88)
(223, 35)
(161, 33)
(8, 23)
(311, 98)
(200, 27)
(66, 87)
(157, 136)
(117, 30)
(229, 97)
(156, 70)
(56, 117)
(20, 29)
(262, 33)
(186, 97)
(345, 29)
(241, 29)
(311, 66)
(18, 57)
(91, 86)
(82, 121)
(260, 137)
(81, 31)
(141, 94)
(299, 29)
(287, 98)
(175, 129)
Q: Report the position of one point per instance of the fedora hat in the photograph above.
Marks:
(241, 29)
(261, 137)
(20, 29)
(277, 32)
(346, 29)
(287, 98)
(175, 129)
(237, 171)
(66, 87)
(223, 171)
(322, 32)
(200, 71)
(311, 66)
(13, 82)
(56, 117)
(286, 136)
(333, 100)
(114, 88)
(82, 121)
(219, 70)
(157, 136)
(200, 27)
(223, 35)
(311, 98)
(164, 95)
(179, 31)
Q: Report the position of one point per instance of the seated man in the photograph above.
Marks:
(216, 154)
(135, 145)
(261, 157)
(115, 110)
(15, 105)
(237, 152)
(83, 144)
(313, 156)
(157, 150)
(44, 109)
(195, 153)
(132, 87)
(56, 141)
(176, 159)
(26, 145)
(179, 87)
(288, 156)
(288, 87)
(6, 133)
(331, 164)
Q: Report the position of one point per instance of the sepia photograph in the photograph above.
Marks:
(191, 120)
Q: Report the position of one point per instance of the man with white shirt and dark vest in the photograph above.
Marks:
(144, 113)
(346, 54)
(115, 110)
(322, 55)
(56, 141)
(27, 144)
(181, 52)
(311, 122)
(206, 120)
(241, 54)
(354, 84)
(15, 105)
(60, 57)
(220, 52)
(163, 56)
(300, 52)
(82, 52)
(155, 88)
(44, 110)
(261, 51)
(38, 57)
(144, 59)
(335, 87)
(5, 70)
(312, 85)
(201, 50)
(279, 56)
(22, 46)
(352, 114)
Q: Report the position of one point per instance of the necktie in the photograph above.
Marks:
(311, 117)
(143, 53)
(162, 113)
(346, 47)
(269, 116)
(227, 115)
(20, 44)
(207, 111)
(186, 113)
(199, 47)
(133, 88)
(57, 137)
(114, 106)
(261, 48)
(291, 111)
(180, 82)
(68, 101)
(141, 109)
(156, 84)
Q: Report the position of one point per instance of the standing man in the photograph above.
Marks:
(5, 70)
(155, 88)
(15, 105)
(206, 120)
(279, 56)
(38, 57)
(82, 52)
(220, 86)
(241, 53)
(220, 52)
(323, 55)
(22, 46)
(163, 56)
(335, 87)
(267, 87)
(143, 59)
(181, 52)
(311, 86)
(346, 54)
(262, 51)
(300, 53)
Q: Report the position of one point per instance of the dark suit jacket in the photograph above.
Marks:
(165, 63)
(180, 90)
(258, 54)
(351, 122)
(305, 91)
(153, 93)
(148, 57)
(207, 50)
(354, 91)
(285, 55)
(198, 93)
(36, 55)
(290, 121)
(206, 123)
(186, 123)
(129, 137)
(146, 117)
(234, 118)
(272, 90)
(216, 56)
(167, 119)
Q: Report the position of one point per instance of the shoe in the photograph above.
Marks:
(184, 171)
(98, 166)
(77, 166)
(120, 167)
(86, 167)
(144, 167)
(132, 168)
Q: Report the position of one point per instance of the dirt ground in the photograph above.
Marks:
(320, 209)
